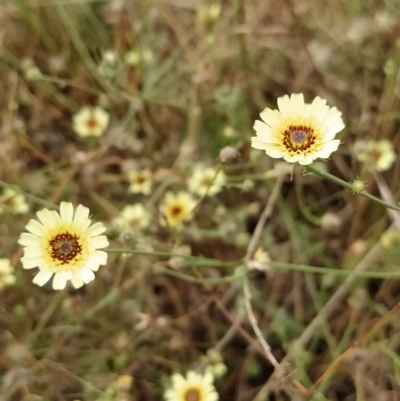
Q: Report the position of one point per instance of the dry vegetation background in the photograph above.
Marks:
(197, 79)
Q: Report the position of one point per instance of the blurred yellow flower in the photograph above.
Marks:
(260, 260)
(206, 181)
(177, 208)
(133, 217)
(125, 382)
(378, 155)
(90, 121)
(140, 181)
(7, 277)
(193, 387)
(391, 239)
(12, 202)
(64, 244)
(298, 132)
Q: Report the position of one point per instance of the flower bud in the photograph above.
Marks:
(229, 155)
(357, 186)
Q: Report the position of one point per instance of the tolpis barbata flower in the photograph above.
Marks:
(65, 245)
(90, 121)
(140, 181)
(177, 208)
(377, 155)
(192, 387)
(206, 181)
(298, 132)
(7, 276)
(12, 202)
(133, 217)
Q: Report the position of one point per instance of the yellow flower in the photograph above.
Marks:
(125, 382)
(7, 277)
(177, 208)
(90, 121)
(133, 217)
(13, 202)
(140, 181)
(64, 244)
(391, 239)
(195, 387)
(378, 155)
(206, 181)
(298, 132)
(260, 260)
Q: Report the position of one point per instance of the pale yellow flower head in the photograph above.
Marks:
(12, 202)
(7, 277)
(90, 121)
(133, 217)
(391, 239)
(64, 244)
(192, 387)
(377, 155)
(125, 382)
(140, 181)
(177, 208)
(206, 181)
(260, 260)
(298, 132)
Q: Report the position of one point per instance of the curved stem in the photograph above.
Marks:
(311, 169)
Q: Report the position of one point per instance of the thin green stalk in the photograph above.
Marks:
(196, 280)
(195, 260)
(310, 168)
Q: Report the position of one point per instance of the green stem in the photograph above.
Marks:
(196, 280)
(331, 270)
(345, 184)
(194, 260)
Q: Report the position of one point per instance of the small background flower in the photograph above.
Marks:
(298, 132)
(7, 276)
(177, 208)
(140, 181)
(133, 217)
(65, 245)
(377, 155)
(192, 387)
(206, 181)
(12, 202)
(90, 121)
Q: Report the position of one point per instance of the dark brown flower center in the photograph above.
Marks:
(92, 123)
(298, 138)
(192, 395)
(176, 211)
(141, 178)
(65, 247)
